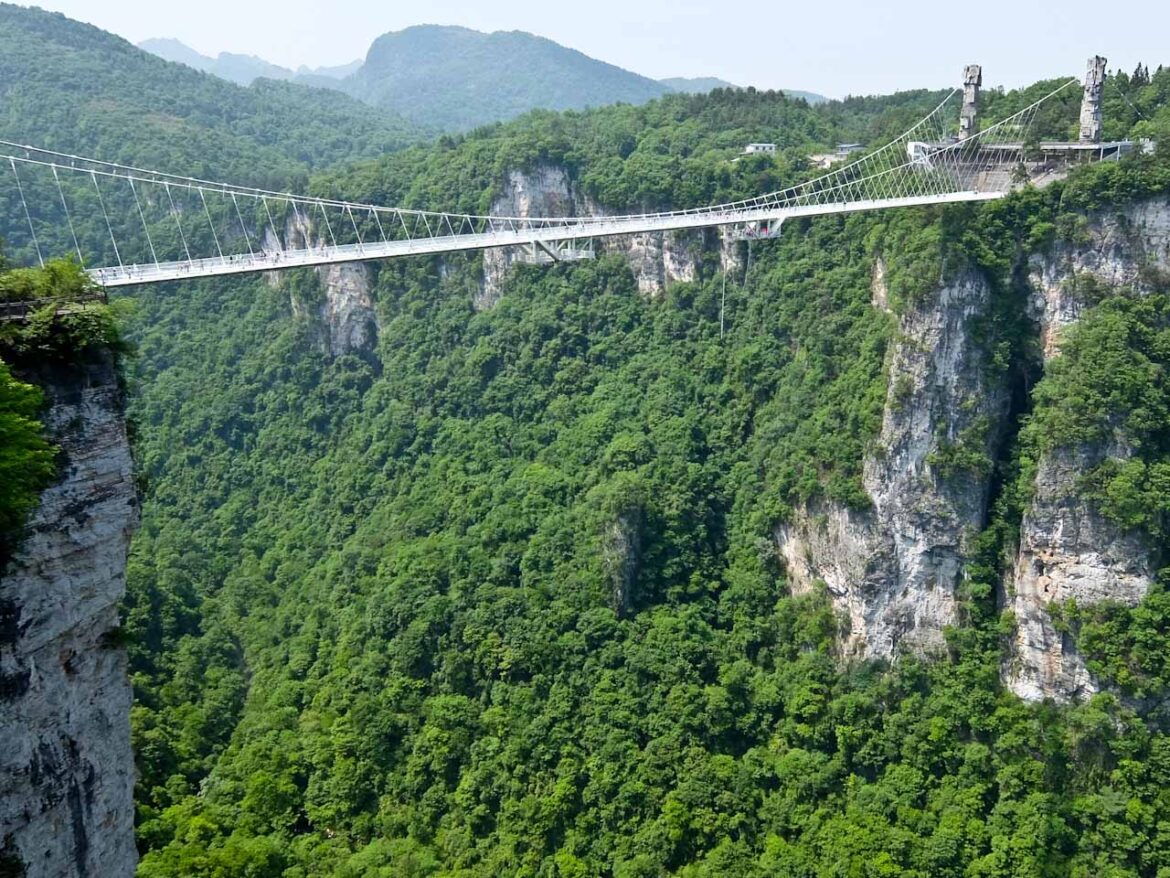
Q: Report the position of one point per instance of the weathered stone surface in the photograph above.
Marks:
(621, 556)
(657, 259)
(1119, 249)
(346, 321)
(879, 288)
(1068, 550)
(545, 191)
(893, 569)
(348, 317)
(66, 768)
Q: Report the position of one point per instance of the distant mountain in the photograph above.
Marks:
(456, 79)
(246, 69)
(241, 69)
(178, 52)
(339, 72)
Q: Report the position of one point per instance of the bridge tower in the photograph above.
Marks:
(1091, 104)
(969, 116)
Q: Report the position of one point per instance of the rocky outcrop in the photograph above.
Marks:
(879, 287)
(1068, 550)
(348, 320)
(893, 570)
(344, 321)
(66, 768)
(657, 259)
(621, 556)
(1117, 249)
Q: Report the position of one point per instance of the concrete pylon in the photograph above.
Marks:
(969, 117)
(1091, 104)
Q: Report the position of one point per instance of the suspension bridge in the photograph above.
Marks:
(128, 225)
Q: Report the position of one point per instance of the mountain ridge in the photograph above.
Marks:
(476, 84)
(243, 69)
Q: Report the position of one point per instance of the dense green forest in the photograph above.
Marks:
(499, 595)
(382, 610)
(410, 648)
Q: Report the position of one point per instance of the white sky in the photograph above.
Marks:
(835, 47)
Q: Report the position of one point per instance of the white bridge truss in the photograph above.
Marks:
(157, 227)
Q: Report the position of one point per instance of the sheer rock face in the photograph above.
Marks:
(348, 318)
(346, 321)
(1068, 550)
(1118, 250)
(879, 288)
(892, 570)
(657, 259)
(66, 768)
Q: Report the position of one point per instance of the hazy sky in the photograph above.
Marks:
(835, 47)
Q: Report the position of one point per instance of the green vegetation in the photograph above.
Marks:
(26, 460)
(416, 650)
(62, 323)
(124, 105)
(66, 314)
(1108, 390)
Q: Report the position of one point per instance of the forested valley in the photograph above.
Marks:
(498, 592)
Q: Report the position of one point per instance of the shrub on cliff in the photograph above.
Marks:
(46, 314)
(56, 312)
(26, 459)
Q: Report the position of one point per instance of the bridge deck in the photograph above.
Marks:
(598, 227)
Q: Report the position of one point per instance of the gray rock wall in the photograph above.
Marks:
(66, 768)
(1068, 550)
(893, 570)
(345, 321)
(657, 258)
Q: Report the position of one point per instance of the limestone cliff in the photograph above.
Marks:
(657, 259)
(344, 321)
(893, 569)
(1068, 550)
(1116, 249)
(621, 555)
(347, 322)
(66, 768)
